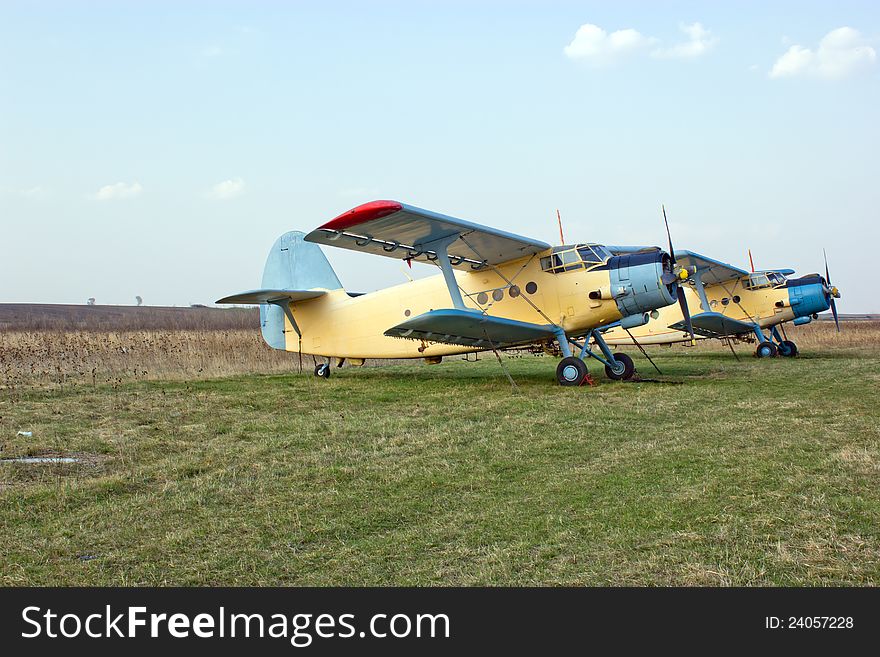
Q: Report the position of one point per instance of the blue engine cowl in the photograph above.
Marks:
(636, 282)
(808, 295)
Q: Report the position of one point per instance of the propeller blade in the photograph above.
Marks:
(686, 313)
(668, 235)
(830, 295)
(834, 312)
(682, 301)
(827, 275)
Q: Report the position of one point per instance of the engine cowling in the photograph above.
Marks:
(637, 282)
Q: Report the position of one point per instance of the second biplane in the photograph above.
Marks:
(736, 304)
(495, 290)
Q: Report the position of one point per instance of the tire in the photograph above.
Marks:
(322, 370)
(766, 350)
(571, 371)
(787, 348)
(626, 368)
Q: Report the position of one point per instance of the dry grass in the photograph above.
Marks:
(77, 357)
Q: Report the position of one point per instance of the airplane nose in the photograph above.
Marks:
(809, 295)
(641, 282)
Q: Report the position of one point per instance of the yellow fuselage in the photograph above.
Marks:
(339, 325)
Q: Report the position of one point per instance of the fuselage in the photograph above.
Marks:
(547, 288)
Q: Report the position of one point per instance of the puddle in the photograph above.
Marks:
(41, 459)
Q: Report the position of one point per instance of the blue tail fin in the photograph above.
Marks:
(293, 264)
(295, 271)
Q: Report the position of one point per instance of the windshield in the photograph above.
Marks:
(764, 279)
(570, 257)
(776, 278)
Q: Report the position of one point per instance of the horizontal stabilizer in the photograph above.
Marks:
(470, 328)
(272, 296)
(715, 325)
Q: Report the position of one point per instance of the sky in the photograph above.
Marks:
(159, 148)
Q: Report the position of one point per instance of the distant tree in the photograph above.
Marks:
(139, 299)
(91, 301)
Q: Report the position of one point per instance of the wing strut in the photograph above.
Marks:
(440, 248)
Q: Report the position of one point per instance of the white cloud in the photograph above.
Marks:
(841, 52)
(120, 190)
(227, 189)
(593, 44)
(700, 41)
(212, 51)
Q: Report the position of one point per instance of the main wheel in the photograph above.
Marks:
(571, 371)
(624, 368)
(766, 350)
(787, 348)
(322, 370)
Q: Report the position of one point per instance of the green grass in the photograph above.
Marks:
(724, 473)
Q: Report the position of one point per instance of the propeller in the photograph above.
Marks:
(681, 277)
(831, 292)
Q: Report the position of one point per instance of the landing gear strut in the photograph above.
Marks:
(784, 347)
(572, 370)
(766, 348)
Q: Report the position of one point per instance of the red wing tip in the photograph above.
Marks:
(362, 214)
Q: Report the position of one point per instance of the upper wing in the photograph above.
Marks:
(272, 296)
(711, 271)
(405, 232)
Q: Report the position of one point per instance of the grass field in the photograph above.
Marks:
(716, 473)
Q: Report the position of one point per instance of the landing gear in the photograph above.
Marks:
(623, 368)
(766, 350)
(322, 370)
(787, 348)
(784, 347)
(571, 371)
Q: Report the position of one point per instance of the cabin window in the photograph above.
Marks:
(756, 281)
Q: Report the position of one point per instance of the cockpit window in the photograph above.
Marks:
(571, 257)
(763, 279)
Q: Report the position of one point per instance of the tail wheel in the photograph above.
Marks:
(624, 368)
(766, 350)
(787, 348)
(571, 371)
(322, 370)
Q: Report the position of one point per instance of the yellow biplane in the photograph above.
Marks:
(496, 290)
(736, 304)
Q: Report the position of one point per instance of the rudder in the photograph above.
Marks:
(292, 264)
